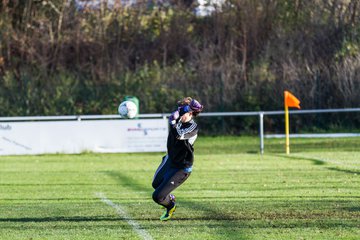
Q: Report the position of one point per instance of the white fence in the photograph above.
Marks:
(70, 134)
(261, 115)
(5, 124)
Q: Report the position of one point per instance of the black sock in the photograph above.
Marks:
(172, 204)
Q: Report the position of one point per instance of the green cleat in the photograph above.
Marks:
(168, 213)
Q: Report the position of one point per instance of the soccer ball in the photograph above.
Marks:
(128, 109)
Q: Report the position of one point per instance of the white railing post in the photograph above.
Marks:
(261, 116)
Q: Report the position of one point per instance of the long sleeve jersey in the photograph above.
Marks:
(180, 143)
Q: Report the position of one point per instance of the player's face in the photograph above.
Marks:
(186, 117)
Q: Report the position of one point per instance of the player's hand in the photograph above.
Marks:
(174, 117)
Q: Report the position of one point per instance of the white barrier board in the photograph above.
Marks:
(107, 136)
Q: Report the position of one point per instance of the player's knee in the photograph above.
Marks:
(157, 197)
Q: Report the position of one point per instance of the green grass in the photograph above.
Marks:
(233, 193)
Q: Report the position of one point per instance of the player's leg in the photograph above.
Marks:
(172, 179)
(160, 172)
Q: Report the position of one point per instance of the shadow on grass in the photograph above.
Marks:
(344, 170)
(320, 162)
(231, 225)
(314, 160)
(61, 219)
(210, 211)
(353, 209)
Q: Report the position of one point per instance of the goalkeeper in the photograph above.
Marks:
(176, 166)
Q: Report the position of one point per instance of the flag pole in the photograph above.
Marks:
(289, 101)
(287, 129)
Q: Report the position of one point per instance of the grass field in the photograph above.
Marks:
(233, 193)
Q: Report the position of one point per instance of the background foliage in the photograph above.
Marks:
(56, 60)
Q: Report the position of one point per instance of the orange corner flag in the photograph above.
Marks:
(291, 100)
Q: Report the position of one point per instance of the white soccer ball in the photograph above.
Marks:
(128, 109)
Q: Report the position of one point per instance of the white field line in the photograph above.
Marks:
(122, 213)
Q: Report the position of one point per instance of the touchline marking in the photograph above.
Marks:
(120, 210)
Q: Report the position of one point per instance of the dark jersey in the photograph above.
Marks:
(180, 144)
